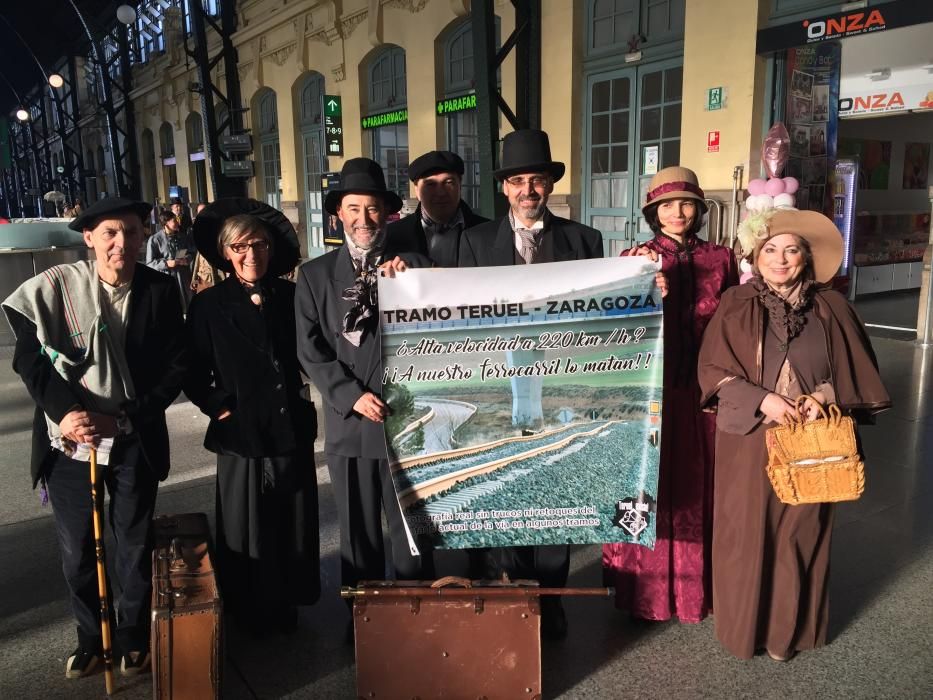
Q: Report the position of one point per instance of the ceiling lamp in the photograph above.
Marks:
(56, 81)
(126, 14)
(22, 114)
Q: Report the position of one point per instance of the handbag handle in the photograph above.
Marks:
(833, 417)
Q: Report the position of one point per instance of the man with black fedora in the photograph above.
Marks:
(100, 347)
(435, 226)
(336, 309)
(530, 234)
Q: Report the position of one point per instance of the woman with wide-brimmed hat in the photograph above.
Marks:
(673, 580)
(245, 376)
(777, 337)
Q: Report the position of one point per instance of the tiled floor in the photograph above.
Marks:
(881, 600)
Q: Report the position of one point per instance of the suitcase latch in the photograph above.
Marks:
(415, 605)
(478, 605)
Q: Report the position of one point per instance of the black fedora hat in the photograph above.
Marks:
(362, 176)
(210, 222)
(434, 162)
(108, 207)
(527, 151)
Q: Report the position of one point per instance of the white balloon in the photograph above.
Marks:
(784, 200)
(765, 201)
(751, 202)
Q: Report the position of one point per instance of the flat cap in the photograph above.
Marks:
(434, 162)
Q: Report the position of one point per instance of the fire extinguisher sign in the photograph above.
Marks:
(712, 142)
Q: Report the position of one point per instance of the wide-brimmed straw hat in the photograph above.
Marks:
(527, 151)
(109, 207)
(825, 240)
(210, 222)
(675, 182)
(362, 176)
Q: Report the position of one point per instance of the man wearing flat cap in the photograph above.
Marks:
(530, 234)
(435, 226)
(99, 345)
(337, 318)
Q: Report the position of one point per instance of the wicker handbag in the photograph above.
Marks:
(815, 462)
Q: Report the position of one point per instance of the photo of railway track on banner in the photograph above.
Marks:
(525, 402)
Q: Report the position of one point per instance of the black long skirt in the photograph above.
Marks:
(267, 536)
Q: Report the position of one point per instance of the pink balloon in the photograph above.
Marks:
(775, 150)
(756, 186)
(774, 186)
(791, 185)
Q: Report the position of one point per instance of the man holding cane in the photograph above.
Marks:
(99, 346)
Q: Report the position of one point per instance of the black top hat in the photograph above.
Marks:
(435, 162)
(106, 207)
(210, 222)
(362, 176)
(527, 151)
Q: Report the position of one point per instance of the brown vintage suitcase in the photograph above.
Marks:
(452, 638)
(186, 611)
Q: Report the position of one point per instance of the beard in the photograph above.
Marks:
(364, 237)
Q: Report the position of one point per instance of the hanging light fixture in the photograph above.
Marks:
(56, 81)
(22, 114)
(126, 14)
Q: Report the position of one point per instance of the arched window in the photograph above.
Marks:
(459, 81)
(91, 179)
(310, 94)
(102, 172)
(387, 92)
(167, 151)
(167, 140)
(269, 154)
(387, 79)
(268, 120)
(197, 172)
(148, 160)
(309, 99)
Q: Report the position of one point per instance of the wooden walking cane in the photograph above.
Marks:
(101, 577)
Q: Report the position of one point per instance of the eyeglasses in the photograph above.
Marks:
(257, 246)
(537, 181)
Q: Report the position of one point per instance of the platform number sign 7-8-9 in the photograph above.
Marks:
(333, 125)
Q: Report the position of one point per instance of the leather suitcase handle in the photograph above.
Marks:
(452, 581)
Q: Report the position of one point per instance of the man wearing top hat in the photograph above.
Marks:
(99, 345)
(435, 226)
(339, 349)
(530, 234)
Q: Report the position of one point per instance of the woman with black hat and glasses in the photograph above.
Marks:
(245, 376)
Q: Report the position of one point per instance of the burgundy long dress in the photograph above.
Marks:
(673, 579)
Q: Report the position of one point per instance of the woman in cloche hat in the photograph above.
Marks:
(673, 580)
(245, 377)
(777, 337)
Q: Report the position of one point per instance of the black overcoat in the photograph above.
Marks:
(341, 371)
(244, 359)
(157, 358)
(408, 233)
(493, 243)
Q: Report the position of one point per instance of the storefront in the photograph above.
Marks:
(855, 90)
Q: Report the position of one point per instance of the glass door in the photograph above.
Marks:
(633, 116)
(315, 167)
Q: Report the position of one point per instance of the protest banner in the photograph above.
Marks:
(525, 401)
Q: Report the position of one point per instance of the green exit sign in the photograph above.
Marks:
(715, 98)
(332, 106)
(452, 105)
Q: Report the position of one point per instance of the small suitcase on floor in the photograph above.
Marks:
(452, 638)
(186, 611)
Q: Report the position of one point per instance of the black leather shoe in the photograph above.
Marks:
(553, 618)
